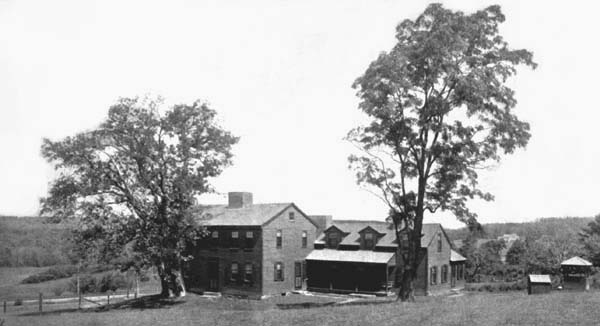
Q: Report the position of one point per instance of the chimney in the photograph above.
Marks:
(240, 199)
(322, 221)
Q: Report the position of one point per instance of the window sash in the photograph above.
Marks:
(279, 239)
(304, 239)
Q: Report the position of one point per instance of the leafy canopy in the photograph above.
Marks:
(439, 110)
(129, 184)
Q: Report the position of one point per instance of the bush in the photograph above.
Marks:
(58, 289)
(87, 284)
(106, 282)
(19, 302)
(111, 282)
(52, 273)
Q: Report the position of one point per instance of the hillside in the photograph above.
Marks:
(554, 227)
(28, 241)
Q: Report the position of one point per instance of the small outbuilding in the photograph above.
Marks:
(538, 284)
(576, 273)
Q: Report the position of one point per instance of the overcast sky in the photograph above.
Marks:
(279, 73)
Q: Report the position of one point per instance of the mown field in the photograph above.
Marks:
(513, 308)
(12, 289)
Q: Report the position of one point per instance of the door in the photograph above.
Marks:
(213, 274)
(453, 276)
(298, 275)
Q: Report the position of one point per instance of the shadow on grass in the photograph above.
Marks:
(309, 305)
(147, 302)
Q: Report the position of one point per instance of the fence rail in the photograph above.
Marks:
(42, 304)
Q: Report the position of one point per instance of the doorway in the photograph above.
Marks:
(297, 275)
(213, 274)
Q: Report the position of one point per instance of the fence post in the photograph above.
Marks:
(40, 301)
(107, 298)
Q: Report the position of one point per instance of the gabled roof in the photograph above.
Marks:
(455, 256)
(355, 256)
(576, 261)
(252, 215)
(535, 278)
(369, 228)
(353, 227)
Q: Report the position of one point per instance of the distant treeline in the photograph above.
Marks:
(28, 241)
(554, 227)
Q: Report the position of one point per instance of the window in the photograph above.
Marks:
(439, 242)
(333, 240)
(278, 272)
(444, 274)
(234, 243)
(291, 216)
(433, 275)
(249, 241)
(248, 271)
(304, 239)
(214, 240)
(235, 272)
(279, 239)
(368, 240)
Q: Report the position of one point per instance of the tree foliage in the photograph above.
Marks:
(590, 239)
(130, 183)
(439, 111)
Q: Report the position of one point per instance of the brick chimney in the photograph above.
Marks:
(240, 199)
(323, 222)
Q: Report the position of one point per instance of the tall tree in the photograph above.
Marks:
(590, 238)
(439, 110)
(129, 184)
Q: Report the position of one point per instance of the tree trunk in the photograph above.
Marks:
(405, 279)
(171, 281)
(410, 261)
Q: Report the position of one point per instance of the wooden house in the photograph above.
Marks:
(360, 257)
(252, 250)
(538, 284)
(576, 273)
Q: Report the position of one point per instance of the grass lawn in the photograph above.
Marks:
(12, 289)
(512, 308)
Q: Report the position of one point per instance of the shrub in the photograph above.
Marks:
(106, 282)
(19, 302)
(87, 284)
(52, 273)
(58, 289)
(111, 282)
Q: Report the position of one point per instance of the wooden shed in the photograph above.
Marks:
(537, 284)
(576, 273)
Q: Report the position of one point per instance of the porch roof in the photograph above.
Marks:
(456, 257)
(352, 256)
(576, 261)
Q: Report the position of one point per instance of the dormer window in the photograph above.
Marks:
(369, 240)
(333, 240)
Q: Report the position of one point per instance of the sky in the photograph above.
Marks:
(279, 73)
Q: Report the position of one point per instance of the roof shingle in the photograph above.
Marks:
(353, 227)
(355, 256)
(253, 215)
